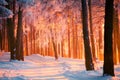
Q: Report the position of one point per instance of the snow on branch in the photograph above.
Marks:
(5, 13)
(3, 2)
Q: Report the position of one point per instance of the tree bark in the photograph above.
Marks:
(10, 31)
(19, 41)
(88, 56)
(91, 31)
(108, 68)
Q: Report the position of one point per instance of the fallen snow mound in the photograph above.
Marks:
(37, 67)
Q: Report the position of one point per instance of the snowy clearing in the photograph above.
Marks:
(36, 67)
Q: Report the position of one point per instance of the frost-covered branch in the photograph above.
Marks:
(5, 13)
(3, 2)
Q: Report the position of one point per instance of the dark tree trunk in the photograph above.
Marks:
(88, 56)
(19, 41)
(11, 38)
(14, 11)
(108, 68)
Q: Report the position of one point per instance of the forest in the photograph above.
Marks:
(73, 30)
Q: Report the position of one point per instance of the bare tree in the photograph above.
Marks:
(88, 56)
(108, 68)
(91, 30)
(10, 31)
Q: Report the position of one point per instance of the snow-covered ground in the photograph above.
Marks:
(36, 67)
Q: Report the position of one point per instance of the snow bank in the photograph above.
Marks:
(37, 67)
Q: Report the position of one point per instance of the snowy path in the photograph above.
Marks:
(36, 67)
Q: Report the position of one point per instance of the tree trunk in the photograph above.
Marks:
(19, 41)
(26, 40)
(31, 40)
(69, 52)
(55, 51)
(62, 46)
(54, 45)
(11, 38)
(108, 68)
(88, 56)
(91, 31)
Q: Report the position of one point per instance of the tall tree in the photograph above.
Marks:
(91, 30)
(108, 67)
(19, 40)
(10, 31)
(54, 45)
(88, 56)
(69, 52)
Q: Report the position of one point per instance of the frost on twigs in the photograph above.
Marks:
(25, 3)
